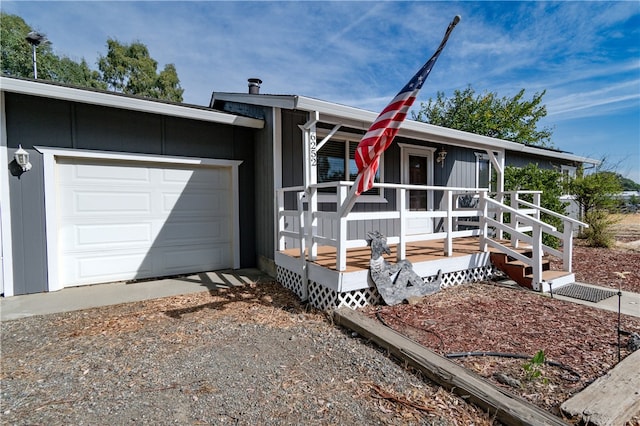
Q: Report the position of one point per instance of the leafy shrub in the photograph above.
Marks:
(533, 367)
(534, 178)
(600, 232)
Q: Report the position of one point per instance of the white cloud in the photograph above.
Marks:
(585, 54)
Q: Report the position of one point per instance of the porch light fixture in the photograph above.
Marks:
(22, 158)
(442, 154)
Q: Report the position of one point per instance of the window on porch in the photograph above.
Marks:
(484, 171)
(336, 162)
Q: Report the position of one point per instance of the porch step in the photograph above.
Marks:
(551, 280)
(519, 267)
(522, 273)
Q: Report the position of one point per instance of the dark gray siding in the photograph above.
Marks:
(264, 194)
(517, 159)
(35, 121)
(292, 160)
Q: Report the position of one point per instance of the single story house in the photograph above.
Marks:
(125, 188)
(430, 187)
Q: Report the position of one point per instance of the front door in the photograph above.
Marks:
(418, 170)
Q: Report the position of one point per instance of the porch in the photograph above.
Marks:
(324, 258)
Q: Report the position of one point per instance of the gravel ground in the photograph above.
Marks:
(250, 355)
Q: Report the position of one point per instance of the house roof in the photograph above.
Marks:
(361, 119)
(117, 100)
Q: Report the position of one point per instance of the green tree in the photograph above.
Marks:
(534, 178)
(126, 69)
(627, 184)
(514, 119)
(17, 59)
(595, 194)
(16, 51)
(130, 69)
(595, 191)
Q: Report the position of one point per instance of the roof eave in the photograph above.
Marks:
(43, 89)
(346, 115)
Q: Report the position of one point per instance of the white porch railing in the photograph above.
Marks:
(485, 217)
(524, 217)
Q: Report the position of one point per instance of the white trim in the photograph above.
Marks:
(51, 219)
(571, 170)
(428, 152)
(6, 250)
(114, 100)
(50, 156)
(486, 157)
(125, 156)
(362, 119)
(419, 150)
(277, 170)
(235, 215)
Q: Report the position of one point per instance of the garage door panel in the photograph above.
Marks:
(196, 203)
(111, 235)
(97, 174)
(209, 178)
(90, 268)
(113, 202)
(201, 232)
(123, 222)
(194, 259)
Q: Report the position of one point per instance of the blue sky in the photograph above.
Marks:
(586, 55)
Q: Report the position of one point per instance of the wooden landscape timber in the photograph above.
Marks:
(507, 407)
(612, 399)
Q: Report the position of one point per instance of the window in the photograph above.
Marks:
(336, 162)
(568, 173)
(483, 171)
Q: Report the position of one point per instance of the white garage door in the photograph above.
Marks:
(123, 220)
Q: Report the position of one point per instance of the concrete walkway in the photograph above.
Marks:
(92, 296)
(629, 302)
(85, 297)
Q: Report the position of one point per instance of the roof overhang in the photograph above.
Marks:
(361, 119)
(115, 100)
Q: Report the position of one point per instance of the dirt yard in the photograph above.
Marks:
(494, 318)
(616, 267)
(256, 355)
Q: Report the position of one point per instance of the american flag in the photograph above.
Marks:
(384, 128)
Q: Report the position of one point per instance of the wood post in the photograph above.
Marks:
(505, 406)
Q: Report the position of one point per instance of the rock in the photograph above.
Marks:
(633, 344)
(507, 380)
(413, 300)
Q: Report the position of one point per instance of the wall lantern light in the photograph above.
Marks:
(442, 154)
(22, 158)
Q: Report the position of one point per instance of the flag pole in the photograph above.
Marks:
(392, 116)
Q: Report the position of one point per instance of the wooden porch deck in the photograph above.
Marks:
(417, 252)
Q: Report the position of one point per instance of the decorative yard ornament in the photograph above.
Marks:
(396, 282)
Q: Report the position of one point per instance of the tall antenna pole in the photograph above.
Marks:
(35, 39)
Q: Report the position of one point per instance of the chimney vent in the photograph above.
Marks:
(254, 86)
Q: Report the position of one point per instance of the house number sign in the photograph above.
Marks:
(313, 157)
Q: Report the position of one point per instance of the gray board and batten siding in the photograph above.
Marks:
(40, 121)
(459, 170)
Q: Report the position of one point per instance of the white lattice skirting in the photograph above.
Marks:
(324, 298)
